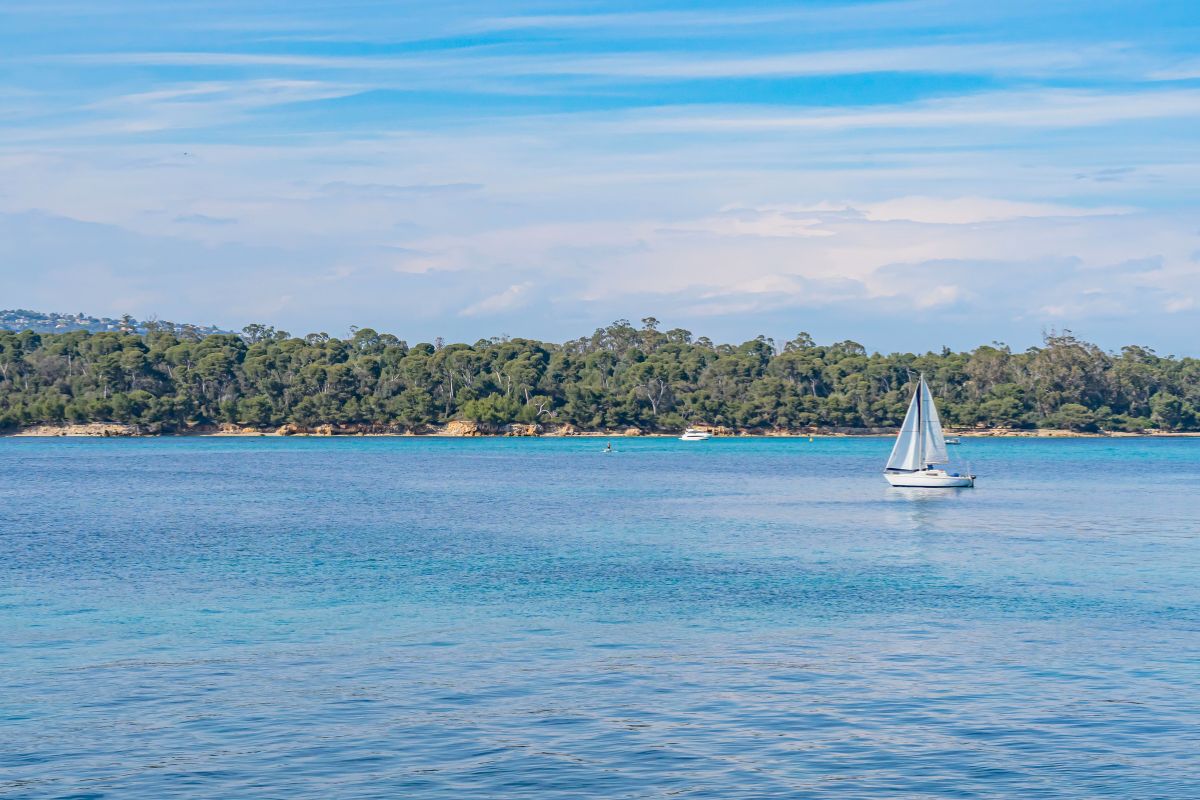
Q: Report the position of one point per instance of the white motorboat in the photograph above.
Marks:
(695, 435)
(920, 448)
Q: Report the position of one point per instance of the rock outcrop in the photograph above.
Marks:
(85, 429)
(355, 429)
(230, 429)
(462, 427)
(716, 430)
(521, 429)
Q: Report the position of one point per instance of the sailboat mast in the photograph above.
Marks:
(920, 430)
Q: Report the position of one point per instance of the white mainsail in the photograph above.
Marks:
(920, 442)
(906, 453)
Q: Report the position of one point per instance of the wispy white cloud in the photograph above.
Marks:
(660, 21)
(204, 219)
(180, 107)
(967, 210)
(862, 16)
(397, 192)
(1054, 108)
(214, 99)
(512, 297)
(232, 59)
(954, 58)
(1186, 69)
(761, 222)
(933, 58)
(241, 93)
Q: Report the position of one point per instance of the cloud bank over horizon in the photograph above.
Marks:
(908, 174)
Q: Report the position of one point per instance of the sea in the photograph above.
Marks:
(518, 618)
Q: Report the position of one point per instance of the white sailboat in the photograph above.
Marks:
(921, 447)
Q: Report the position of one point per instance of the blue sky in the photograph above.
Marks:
(908, 174)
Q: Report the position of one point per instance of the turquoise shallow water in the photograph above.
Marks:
(355, 618)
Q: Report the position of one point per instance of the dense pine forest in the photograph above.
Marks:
(170, 379)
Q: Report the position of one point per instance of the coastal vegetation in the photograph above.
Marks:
(169, 379)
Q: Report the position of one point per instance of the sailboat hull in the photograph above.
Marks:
(930, 479)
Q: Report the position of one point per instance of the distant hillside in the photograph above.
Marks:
(21, 319)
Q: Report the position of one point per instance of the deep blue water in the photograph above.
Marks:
(346, 618)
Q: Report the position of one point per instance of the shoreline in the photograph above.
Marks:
(460, 429)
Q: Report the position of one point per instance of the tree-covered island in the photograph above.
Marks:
(169, 379)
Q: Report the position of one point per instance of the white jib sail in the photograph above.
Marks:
(920, 442)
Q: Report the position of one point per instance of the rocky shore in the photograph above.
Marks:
(467, 428)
